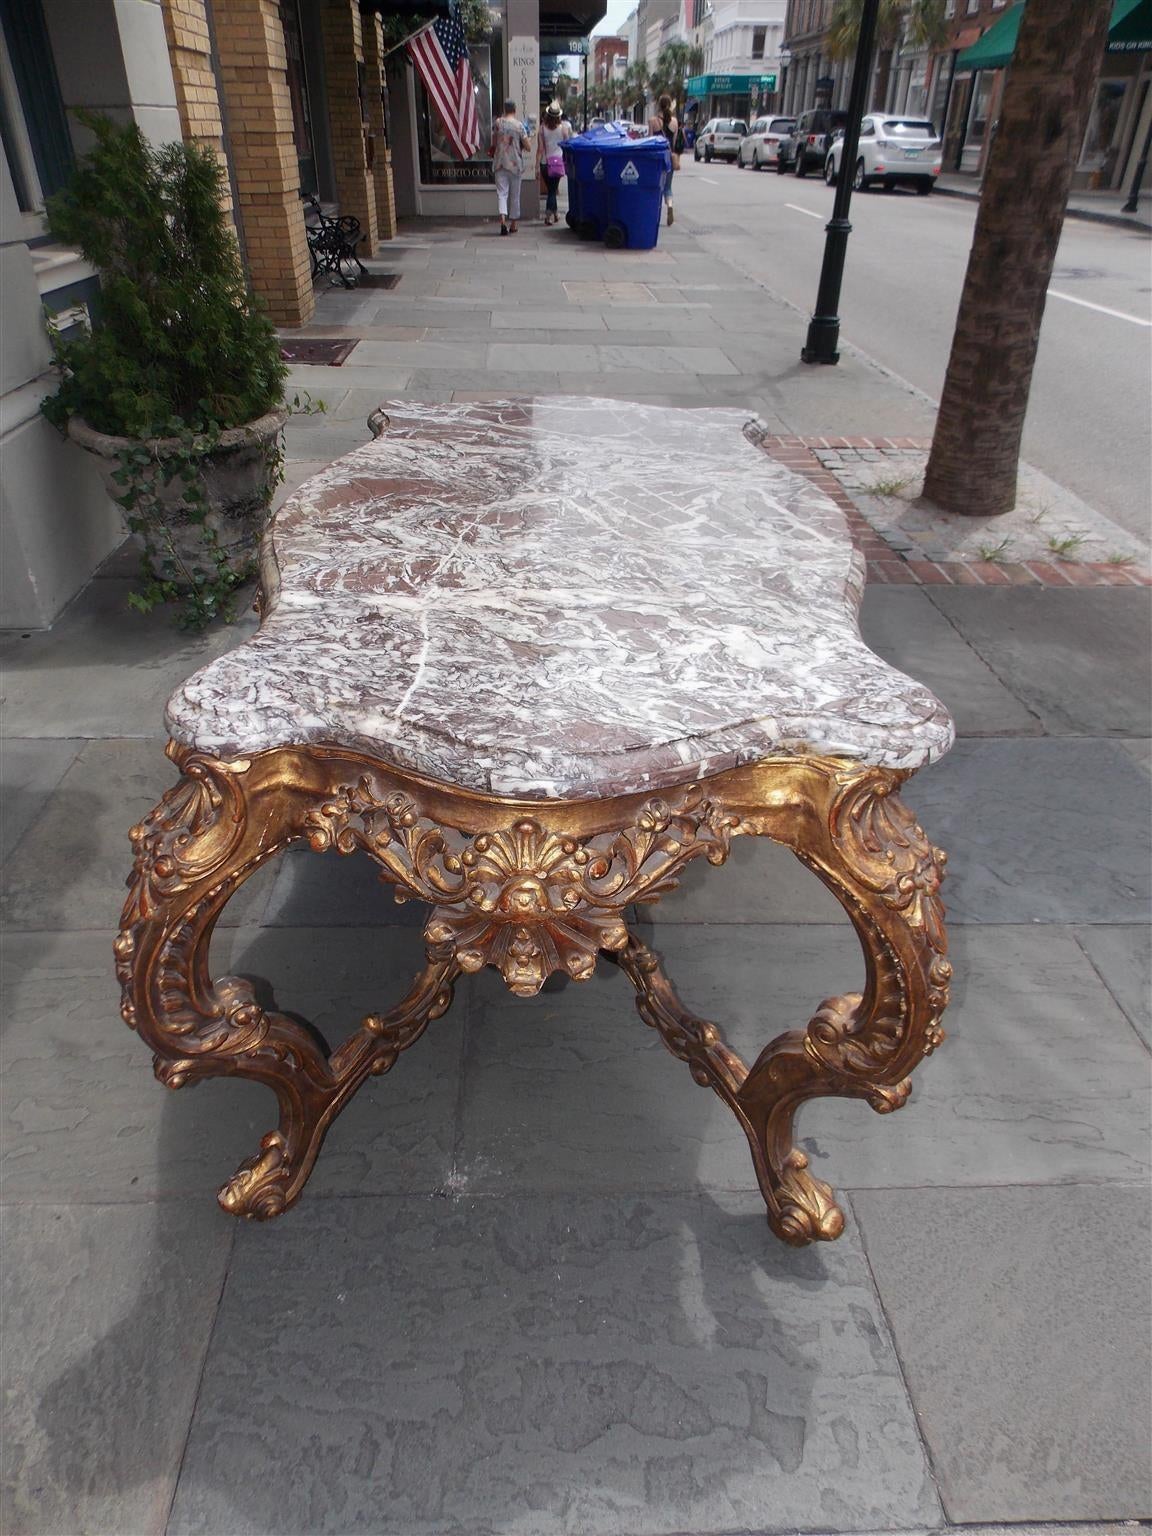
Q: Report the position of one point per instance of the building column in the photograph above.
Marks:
(113, 59)
(343, 56)
(374, 86)
(190, 55)
(254, 81)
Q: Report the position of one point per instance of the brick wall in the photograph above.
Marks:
(373, 36)
(190, 54)
(253, 75)
(343, 51)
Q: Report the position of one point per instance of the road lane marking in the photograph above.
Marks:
(796, 208)
(1101, 309)
(709, 180)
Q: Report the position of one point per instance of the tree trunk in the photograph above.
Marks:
(1047, 96)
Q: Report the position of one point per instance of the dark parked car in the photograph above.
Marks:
(806, 147)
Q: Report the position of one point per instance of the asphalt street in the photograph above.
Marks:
(1091, 405)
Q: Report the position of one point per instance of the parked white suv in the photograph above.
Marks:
(720, 139)
(762, 146)
(893, 150)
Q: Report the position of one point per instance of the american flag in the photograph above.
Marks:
(440, 53)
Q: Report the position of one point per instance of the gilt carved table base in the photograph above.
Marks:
(531, 888)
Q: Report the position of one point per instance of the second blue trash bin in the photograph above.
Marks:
(635, 173)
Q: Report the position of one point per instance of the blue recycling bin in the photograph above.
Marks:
(584, 167)
(634, 176)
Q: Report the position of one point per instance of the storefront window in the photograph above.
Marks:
(1099, 151)
(917, 98)
(438, 162)
(978, 120)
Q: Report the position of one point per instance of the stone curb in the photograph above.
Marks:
(1089, 215)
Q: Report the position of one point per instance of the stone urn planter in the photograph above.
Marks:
(186, 526)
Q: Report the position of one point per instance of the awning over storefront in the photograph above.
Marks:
(1130, 31)
(1131, 28)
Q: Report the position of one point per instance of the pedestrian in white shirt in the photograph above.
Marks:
(510, 143)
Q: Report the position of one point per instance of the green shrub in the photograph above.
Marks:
(179, 339)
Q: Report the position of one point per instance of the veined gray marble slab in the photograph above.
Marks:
(562, 597)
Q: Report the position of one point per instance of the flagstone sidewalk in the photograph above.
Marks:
(530, 1288)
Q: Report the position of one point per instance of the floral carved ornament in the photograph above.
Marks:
(526, 899)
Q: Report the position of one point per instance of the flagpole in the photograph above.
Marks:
(404, 41)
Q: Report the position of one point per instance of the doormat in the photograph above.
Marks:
(378, 280)
(324, 353)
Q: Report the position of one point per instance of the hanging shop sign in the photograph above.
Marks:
(729, 85)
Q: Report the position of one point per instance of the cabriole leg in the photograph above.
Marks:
(207, 835)
(853, 831)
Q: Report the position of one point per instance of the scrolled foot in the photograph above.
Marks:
(805, 1207)
(258, 1190)
(884, 1098)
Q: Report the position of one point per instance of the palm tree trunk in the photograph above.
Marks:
(1047, 96)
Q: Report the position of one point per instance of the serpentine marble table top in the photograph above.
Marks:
(559, 598)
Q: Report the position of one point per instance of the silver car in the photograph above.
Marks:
(762, 145)
(893, 151)
(720, 139)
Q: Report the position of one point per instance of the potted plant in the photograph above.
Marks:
(178, 389)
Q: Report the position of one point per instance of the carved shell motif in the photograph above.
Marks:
(528, 900)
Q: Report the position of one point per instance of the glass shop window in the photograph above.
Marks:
(33, 127)
(1100, 150)
(759, 37)
(438, 162)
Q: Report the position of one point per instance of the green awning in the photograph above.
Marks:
(1131, 27)
(1130, 31)
(995, 49)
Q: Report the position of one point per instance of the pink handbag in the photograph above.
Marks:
(554, 165)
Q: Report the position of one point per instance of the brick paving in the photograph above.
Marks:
(890, 565)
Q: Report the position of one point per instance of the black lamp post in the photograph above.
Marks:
(1133, 196)
(824, 327)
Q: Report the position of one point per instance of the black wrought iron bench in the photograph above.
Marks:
(332, 242)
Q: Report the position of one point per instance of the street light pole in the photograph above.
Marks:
(824, 327)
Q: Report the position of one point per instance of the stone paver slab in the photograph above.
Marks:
(102, 669)
(311, 890)
(70, 868)
(414, 354)
(85, 1119)
(1122, 957)
(1079, 659)
(901, 625)
(591, 1368)
(316, 379)
(547, 319)
(107, 1315)
(1049, 831)
(30, 770)
(1022, 1322)
(761, 882)
(1041, 1078)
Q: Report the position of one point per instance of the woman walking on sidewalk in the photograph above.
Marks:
(549, 159)
(510, 143)
(668, 125)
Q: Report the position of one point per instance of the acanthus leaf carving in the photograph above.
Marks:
(880, 842)
(528, 900)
